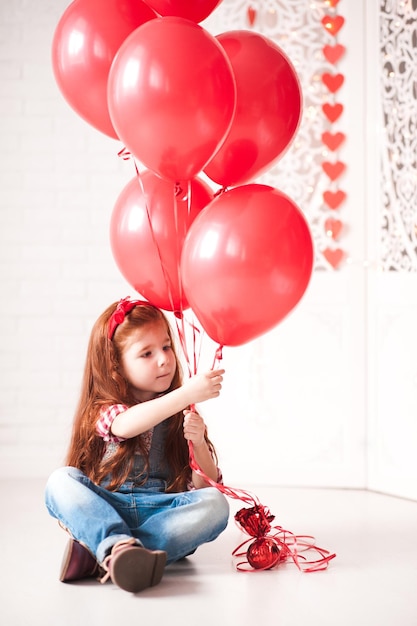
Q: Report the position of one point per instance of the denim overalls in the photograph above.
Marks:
(174, 522)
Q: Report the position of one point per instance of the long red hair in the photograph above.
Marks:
(103, 384)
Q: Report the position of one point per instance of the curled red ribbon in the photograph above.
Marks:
(270, 546)
(271, 549)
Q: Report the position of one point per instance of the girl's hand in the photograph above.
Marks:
(194, 427)
(204, 386)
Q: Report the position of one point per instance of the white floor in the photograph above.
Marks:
(372, 582)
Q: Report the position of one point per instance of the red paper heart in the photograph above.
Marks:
(332, 3)
(332, 111)
(334, 199)
(333, 141)
(333, 82)
(334, 257)
(333, 54)
(333, 23)
(251, 13)
(333, 227)
(333, 170)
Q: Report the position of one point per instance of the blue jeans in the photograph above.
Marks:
(175, 522)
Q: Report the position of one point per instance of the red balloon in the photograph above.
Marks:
(268, 108)
(171, 96)
(196, 10)
(85, 42)
(246, 262)
(148, 226)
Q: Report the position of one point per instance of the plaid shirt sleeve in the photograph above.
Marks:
(105, 421)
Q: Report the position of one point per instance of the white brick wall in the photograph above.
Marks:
(59, 180)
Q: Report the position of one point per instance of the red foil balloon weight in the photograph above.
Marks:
(274, 545)
(255, 521)
(263, 553)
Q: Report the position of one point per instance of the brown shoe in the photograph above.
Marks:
(134, 568)
(78, 563)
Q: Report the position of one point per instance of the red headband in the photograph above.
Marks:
(123, 308)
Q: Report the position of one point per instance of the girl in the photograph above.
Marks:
(128, 497)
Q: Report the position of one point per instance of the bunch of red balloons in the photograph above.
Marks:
(184, 102)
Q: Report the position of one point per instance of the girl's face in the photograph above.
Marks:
(148, 361)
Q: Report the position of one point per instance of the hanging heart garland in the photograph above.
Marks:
(333, 23)
(333, 170)
(333, 82)
(333, 227)
(332, 109)
(334, 256)
(333, 54)
(251, 14)
(333, 141)
(334, 199)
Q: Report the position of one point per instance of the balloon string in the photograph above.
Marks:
(179, 321)
(237, 494)
(177, 190)
(220, 191)
(182, 335)
(192, 364)
(196, 333)
(289, 545)
(126, 155)
(218, 355)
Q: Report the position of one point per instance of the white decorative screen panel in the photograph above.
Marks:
(398, 54)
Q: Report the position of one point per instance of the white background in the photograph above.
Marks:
(328, 398)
